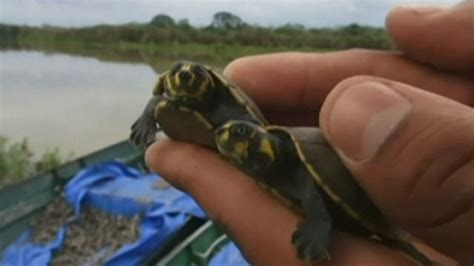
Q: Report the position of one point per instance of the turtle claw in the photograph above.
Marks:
(143, 132)
(144, 129)
(311, 244)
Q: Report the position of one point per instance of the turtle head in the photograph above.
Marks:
(187, 82)
(246, 142)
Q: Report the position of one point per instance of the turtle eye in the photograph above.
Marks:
(176, 67)
(198, 70)
(241, 130)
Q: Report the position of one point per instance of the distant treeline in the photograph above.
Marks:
(225, 28)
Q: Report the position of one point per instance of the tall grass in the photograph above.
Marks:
(17, 164)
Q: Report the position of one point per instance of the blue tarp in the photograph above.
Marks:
(120, 190)
(24, 252)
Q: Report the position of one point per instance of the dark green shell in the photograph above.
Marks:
(240, 98)
(359, 214)
(335, 180)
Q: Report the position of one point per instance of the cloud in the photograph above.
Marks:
(314, 13)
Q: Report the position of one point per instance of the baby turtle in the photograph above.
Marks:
(189, 101)
(300, 165)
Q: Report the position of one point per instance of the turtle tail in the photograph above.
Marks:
(411, 251)
(144, 128)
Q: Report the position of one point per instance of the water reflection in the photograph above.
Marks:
(80, 104)
(158, 59)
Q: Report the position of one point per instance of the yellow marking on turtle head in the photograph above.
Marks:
(168, 83)
(240, 149)
(222, 143)
(222, 139)
(177, 81)
(186, 67)
(266, 147)
(227, 125)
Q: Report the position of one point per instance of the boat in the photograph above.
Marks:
(194, 244)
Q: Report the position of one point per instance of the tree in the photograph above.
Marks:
(184, 23)
(290, 28)
(353, 28)
(226, 20)
(162, 20)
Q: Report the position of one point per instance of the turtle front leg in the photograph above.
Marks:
(312, 236)
(144, 128)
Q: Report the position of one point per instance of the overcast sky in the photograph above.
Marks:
(315, 13)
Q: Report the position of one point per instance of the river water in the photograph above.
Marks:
(79, 104)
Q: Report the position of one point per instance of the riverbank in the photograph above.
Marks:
(135, 42)
(155, 54)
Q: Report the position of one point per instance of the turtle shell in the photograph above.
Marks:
(239, 97)
(337, 183)
(185, 124)
(352, 208)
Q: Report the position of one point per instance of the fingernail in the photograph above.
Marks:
(363, 117)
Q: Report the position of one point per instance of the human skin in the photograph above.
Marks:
(403, 123)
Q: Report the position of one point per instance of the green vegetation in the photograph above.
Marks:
(226, 37)
(16, 161)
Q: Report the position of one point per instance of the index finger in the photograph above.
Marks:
(295, 84)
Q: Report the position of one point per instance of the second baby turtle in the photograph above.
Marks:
(301, 166)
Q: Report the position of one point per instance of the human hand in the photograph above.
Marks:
(411, 150)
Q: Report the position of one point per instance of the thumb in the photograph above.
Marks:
(413, 152)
